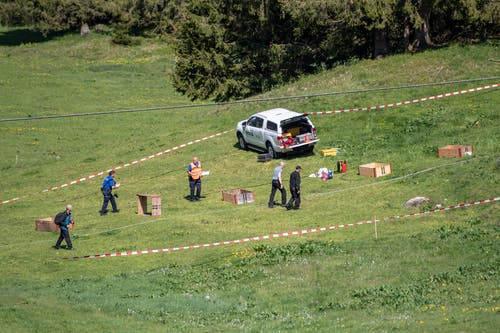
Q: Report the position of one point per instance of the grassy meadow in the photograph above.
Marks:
(431, 273)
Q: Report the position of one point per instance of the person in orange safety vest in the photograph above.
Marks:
(194, 172)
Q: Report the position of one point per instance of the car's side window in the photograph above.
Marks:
(272, 126)
(259, 122)
(256, 122)
(251, 121)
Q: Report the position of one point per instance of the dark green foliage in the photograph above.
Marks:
(460, 232)
(155, 17)
(272, 255)
(59, 15)
(229, 49)
(233, 49)
(121, 36)
(431, 290)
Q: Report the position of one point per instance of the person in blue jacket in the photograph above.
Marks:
(107, 188)
(64, 234)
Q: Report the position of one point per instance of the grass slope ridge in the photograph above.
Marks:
(436, 272)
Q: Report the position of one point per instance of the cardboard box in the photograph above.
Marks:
(375, 169)
(47, 224)
(455, 151)
(142, 204)
(304, 138)
(238, 196)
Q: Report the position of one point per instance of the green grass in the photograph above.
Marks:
(437, 272)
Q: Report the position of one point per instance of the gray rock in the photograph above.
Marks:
(416, 202)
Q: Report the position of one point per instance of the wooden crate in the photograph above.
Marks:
(329, 152)
(455, 151)
(238, 196)
(47, 224)
(142, 204)
(375, 169)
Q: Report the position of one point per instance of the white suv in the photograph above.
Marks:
(277, 131)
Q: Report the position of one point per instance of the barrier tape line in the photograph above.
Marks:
(413, 101)
(381, 106)
(97, 174)
(278, 235)
(10, 200)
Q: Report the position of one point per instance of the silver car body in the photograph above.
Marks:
(277, 131)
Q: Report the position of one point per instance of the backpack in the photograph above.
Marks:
(60, 218)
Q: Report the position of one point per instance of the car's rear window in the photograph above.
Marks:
(297, 119)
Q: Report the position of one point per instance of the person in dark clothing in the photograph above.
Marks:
(277, 184)
(295, 189)
(107, 188)
(64, 234)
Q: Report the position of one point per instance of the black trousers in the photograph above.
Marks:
(275, 187)
(64, 235)
(108, 197)
(194, 184)
(295, 198)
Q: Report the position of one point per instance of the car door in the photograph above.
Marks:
(254, 131)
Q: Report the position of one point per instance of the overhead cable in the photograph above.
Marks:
(269, 99)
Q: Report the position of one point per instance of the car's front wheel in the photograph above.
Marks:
(242, 142)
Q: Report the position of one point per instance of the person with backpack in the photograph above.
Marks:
(63, 220)
(107, 187)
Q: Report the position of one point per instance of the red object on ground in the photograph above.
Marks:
(344, 166)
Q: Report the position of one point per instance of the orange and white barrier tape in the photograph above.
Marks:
(413, 101)
(282, 234)
(381, 106)
(125, 165)
(9, 201)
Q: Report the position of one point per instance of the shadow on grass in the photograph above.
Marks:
(282, 156)
(15, 37)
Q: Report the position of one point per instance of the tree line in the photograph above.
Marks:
(229, 49)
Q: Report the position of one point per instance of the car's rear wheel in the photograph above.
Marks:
(270, 150)
(242, 142)
(309, 150)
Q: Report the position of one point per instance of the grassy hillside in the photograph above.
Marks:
(436, 272)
